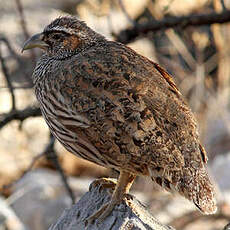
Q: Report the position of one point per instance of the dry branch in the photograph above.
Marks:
(20, 115)
(51, 155)
(9, 83)
(5, 41)
(128, 35)
(24, 25)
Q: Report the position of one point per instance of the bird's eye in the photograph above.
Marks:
(57, 36)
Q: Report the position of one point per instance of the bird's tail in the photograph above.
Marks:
(199, 189)
(195, 186)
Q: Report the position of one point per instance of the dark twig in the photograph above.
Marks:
(9, 84)
(49, 151)
(227, 227)
(48, 148)
(26, 86)
(20, 115)
(8, 45)
(24, 27)
(52, 156)
(12, 52)
(22, 19)
(126, 13)
(35, 159)
(129, 35)
(223, 5)
(183, 221)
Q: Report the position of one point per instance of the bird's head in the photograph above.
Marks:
(64, 37)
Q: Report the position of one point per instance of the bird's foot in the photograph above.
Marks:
(104, 183)
(118, 190)
(106, 210)
(102, 213)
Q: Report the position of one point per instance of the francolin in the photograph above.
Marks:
(110, 105)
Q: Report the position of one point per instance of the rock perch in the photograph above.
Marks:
(129, 215)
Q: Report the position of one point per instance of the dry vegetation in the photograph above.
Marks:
(197, 56)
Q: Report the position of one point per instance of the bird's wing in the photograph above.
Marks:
(188, 123)
(135, 111)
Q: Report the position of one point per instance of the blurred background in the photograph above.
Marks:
(39, 178)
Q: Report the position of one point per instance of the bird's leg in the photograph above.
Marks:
(124, 183)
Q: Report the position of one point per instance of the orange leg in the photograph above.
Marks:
(124, 183)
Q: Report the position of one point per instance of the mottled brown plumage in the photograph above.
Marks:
(109, 105)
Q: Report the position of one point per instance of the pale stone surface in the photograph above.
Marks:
(39, 198)
(8, 219)
(129, 214)
(220, 170)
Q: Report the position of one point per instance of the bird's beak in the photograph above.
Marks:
(35, 41)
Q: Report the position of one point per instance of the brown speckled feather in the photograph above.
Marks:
(109, 105)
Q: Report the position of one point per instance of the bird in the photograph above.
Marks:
(109, 105)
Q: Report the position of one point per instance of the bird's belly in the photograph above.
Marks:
(75, 141)
(78, 144)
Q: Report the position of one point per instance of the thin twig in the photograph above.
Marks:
(35, 159)
(16, 87)
(128, 35)
(48, 149)
(126, 13)
(223, 5)
(8, 45)
(12, 52)
(22, 19)
(9, 84)
(52, 156)
(20, 115)
(183, 221)
(24, 26)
